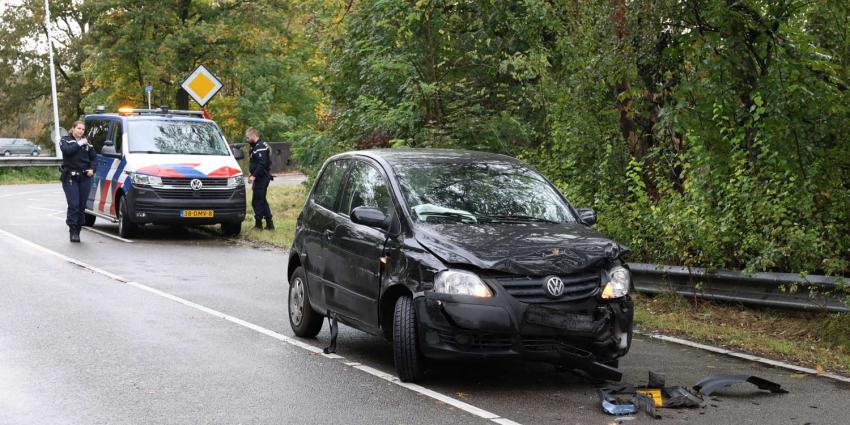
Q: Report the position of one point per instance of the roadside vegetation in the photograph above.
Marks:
(285, 202)
(27, 175)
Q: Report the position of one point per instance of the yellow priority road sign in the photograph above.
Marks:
(202, 85)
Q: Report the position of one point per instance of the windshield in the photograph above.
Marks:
(477, 192)
(176, 137)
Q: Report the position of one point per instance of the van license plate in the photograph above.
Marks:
(196, 213)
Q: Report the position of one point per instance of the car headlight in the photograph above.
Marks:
(235, 181)
(461, 282)
(619, 281)
(146, 180)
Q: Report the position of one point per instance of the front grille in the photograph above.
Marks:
(480, 342)
(531, 289)
(183, 182)
(193, 194)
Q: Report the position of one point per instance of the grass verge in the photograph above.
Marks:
(285, 202)
(817, 340)
(27, 175)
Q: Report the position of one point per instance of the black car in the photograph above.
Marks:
(458, 254)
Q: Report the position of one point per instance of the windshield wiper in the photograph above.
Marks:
(460, 216)
(154, 152)
(518, 217)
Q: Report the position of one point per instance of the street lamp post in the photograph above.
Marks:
(56, 134)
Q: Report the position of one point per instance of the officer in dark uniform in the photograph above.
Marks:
(78, 162)
(261, 164)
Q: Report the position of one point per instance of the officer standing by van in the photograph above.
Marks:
(261, 176)
(78, 161)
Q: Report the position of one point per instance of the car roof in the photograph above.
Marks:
(405, 156)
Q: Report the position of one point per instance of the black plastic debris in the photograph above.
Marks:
(333, 323)
(627, 399)
(713, 383)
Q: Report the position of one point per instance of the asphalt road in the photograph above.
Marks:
(181, 326)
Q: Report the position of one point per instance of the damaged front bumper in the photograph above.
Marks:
(580, 334)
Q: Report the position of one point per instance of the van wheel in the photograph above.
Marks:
(408, 359)
(305, 322)
(126, 229)
(231, 229)
(89, 220)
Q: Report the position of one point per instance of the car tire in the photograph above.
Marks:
(126, 228)
(406, 355)
(7, 153)
(89, 220)
(305, 321)
(231, 229)
(34, 153)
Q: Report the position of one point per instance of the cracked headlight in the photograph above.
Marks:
(619, 281)
(461, 282)
(146, 180)
(235, 181)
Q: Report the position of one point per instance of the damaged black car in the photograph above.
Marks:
(458, 254)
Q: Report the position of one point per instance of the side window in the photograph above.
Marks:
(327, 187)
(117, 136)
(366, 188)
(96, 132)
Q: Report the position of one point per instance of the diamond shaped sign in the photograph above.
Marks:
(202, 85)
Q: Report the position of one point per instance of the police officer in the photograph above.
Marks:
(78, 161)
(261, 164)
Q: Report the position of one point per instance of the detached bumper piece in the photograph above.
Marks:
(627, 399)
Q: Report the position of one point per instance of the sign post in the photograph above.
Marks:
(52, 81)
(201, 85)
(148, 90)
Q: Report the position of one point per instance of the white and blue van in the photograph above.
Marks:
(163, 167)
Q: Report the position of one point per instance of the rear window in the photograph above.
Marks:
(175, 137)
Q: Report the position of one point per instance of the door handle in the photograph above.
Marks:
(329, 234)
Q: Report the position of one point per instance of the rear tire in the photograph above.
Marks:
(7, 153)
(126, 228)
(34, 153)
(89, 220)
(408, 360)
(305, 322)
(231, 229)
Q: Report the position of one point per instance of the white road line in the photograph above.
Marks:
(53, 210)
(466, 407)
(744, 356)
(6, 195)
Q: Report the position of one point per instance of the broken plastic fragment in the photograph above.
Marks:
(713, 383)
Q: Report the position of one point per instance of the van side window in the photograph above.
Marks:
(97, 131)
(117, 136)
(327, 188)
(366, 187)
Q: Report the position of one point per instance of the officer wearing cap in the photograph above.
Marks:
(261, 176)
(78, 161)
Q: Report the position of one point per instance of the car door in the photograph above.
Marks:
(97, 131)
(318, 218)
(354, 251)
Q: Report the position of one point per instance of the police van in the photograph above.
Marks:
(163, 166)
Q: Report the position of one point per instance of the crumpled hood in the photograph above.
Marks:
(533, 249)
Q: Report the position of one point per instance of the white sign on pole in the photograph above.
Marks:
(202, 85)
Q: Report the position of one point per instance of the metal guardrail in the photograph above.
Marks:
(781, 290)
(30, 161)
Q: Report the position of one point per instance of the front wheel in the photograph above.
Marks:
(7, 153)
(408, 360)
(34, 153)
(305, 322)
(126, 228)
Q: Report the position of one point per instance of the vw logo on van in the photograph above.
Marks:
(196, 184)
(554, 286)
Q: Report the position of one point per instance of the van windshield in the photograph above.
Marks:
(176, 137)
(477, 192)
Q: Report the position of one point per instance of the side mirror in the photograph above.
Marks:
(237, 153)
(587, 216)
(109, 150)
(371, 217)
(109, 143)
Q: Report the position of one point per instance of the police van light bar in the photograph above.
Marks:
(161, 110)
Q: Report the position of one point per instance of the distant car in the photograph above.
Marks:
(458, 254)
(9, 147)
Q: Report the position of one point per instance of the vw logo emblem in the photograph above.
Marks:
(554, 286)
(196, 184)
